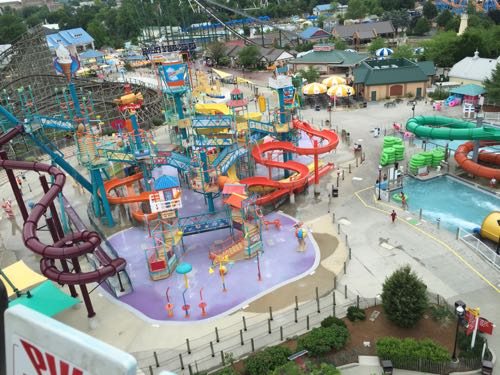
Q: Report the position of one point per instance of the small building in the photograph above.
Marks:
(75, 40)
(473, 69)
(267, 56)
(91, 56)
(323, 9)
(328, 60)
(314, 34)
(363, 33)
(380, 79)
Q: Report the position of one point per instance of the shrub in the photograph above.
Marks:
(464, 343)
(403, 349)
(267, 360)
(321, 340)
(404, 297)
(227, 371)
(332, 321)
(291, 368)
(355, 313)
(440, 313)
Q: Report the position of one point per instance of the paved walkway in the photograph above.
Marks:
(445, 265)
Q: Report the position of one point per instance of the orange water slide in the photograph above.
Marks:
(301, 177)
(129, 199)
(461, 157)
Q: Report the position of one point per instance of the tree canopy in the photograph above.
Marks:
(248, 56)
(311, 74)
(492, 84)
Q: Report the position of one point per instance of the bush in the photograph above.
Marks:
(227, 371)
(292, 368)
(464, 343)
(267, 360)
(440, 313)
(404, 297)
(322, 340)
(332, 321)
(355, 313)
(404, 349)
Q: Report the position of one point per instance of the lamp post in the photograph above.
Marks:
(413, 109)
(460, 313)
(379, 180)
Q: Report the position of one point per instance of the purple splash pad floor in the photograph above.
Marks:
(280, 264)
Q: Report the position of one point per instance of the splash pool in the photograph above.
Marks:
(455, 203)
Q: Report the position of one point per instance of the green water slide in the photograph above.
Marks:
(440, 127)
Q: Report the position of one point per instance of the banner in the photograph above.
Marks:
(485, 326)
(470, 318)
(174, 74)
(176, 47)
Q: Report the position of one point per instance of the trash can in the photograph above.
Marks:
(335, 192)
(487, 368)
(387, 367)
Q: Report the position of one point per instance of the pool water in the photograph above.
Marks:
(452, 145)
(455, 203)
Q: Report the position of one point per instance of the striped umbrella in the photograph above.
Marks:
(340, 91)
(384, 52)
(333, 81)
(314, 89)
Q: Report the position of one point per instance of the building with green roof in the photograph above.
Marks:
(328, 60)
(387, 78)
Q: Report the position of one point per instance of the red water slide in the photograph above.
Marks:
(301, 177)
(70, 246)
(462, 159)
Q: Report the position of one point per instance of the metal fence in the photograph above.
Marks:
(479, 247)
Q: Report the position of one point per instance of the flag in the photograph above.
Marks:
(485, 326)
(470, 318)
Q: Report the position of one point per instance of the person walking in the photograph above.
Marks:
(393, 216)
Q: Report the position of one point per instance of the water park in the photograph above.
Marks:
(188, 207)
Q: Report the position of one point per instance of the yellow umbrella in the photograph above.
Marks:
(341, 91)
(333, 81)
(314, 89)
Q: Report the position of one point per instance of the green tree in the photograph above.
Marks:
(443, 49)
(404, 297)
(99, 33)
(11, 27)
(453, 24)
(311, 74)
(340, 44)
(216, 51)
(376, 44)
(403, 51)
(399, 18)
(444, 17)
(494, 15)
(421, 27)
(249, 56)
(267, 360)
(357, 9)
(492, 84)
(430, 11)
(325, 369)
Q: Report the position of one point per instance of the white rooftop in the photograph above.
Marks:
(474, 68)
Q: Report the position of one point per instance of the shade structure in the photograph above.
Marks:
(47, 299)
(21, 276)
(341, 91)
(314, 89)
(384, 52)
(334, 81)
(221, 74)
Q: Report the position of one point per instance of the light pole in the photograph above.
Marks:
(413, 109)
(379, 180)
(460, 313)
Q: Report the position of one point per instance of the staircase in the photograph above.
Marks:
(230, 251)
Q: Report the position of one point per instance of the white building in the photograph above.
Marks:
(472, 70)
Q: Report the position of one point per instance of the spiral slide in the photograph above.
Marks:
(440, 127)
(301, 178)
(70, 246)
(132, 198)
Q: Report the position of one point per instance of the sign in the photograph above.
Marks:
(174, 74)
(176, 47)
(322, 48)
(51, 122)
(39, 345)
(280, 82)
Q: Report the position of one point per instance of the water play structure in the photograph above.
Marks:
(490, 228)
(440, 127)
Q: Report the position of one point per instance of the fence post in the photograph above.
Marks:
(244, 324)
(350, 253)
(307, 322)
(269, 326)
(151, 370)
(295, 313)
(343, 175)
(212, 349)
(241, 337)
(281, 333)
(156, 359)
(345, 268)
(252, 344)
(217, 335)
(334, 282)
(182, 362)
(188, 346)
(438, 222)
(349, 167)
(223, 360)
(190, 369)
(346, 240)
(334, 303)
(296, 303)
(357, 301)
(317, 300)
(458, 233)
(420, 214)
(270, 313)
(345, 291)
(338, 228)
